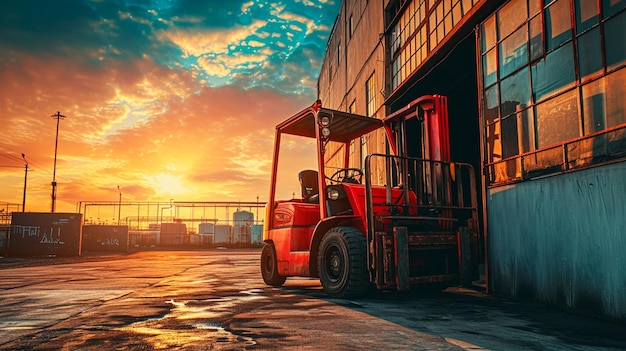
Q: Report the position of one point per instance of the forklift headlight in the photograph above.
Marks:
(325, 132)
(324, 121)
(333, 194)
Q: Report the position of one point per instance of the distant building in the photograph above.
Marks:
(537, 94)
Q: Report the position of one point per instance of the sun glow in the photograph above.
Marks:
(167, 183)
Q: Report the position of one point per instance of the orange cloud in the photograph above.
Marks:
(153, 131)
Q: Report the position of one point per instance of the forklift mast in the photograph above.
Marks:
(432, 112)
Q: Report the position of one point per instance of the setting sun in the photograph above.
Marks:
(167, 184)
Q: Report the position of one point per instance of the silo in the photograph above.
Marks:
(207, 233)
(206, 228)
(222, 234)
(242, 222)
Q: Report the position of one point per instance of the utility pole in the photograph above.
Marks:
(25, 178)
(58, 116)
(119, 207)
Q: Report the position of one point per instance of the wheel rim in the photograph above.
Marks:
(334, 263)
(269, 264)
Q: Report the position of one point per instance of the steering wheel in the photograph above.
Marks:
(347, 175)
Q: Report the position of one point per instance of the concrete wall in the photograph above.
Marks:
(562, 240)
(361, 55)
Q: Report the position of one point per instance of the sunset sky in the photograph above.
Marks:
(166, 99)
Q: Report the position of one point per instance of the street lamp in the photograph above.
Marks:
(119, 207)
(25, 178)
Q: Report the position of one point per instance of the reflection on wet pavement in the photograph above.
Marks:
(194, 323)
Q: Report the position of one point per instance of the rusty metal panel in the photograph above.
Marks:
(109, 238)
(560, 240)
(41, 234)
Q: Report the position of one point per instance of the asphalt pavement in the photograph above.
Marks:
(216, 300)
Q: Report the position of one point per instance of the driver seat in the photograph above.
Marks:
(310, 188)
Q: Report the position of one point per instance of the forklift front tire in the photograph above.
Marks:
(342, 263)
(269, 266)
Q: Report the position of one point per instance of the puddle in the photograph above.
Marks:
(194, 322)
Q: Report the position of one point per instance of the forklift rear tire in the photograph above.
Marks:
(269, 266)
(342, 264)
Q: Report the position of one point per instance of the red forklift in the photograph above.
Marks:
(397, 221)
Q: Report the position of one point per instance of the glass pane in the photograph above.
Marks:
(506, 171)
(615, 100)
(558, 25)
(616, 143)
(526, 130)
(536, 40)
(589, 53)
(586, 14)
(543, 162)
(611, 7)
(584, 152)
(515, 93)
(557, 119)
(511, 16)
(513, 52)
(494, 145)
(554, 73)
(467, 6)
(594, 106)
(490, 109)
(489, 68)
(510, 145)
(614, 30)
(456, 12)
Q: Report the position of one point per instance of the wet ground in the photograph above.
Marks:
(216, 300)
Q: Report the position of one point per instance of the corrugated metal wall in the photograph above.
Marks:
(562, 240)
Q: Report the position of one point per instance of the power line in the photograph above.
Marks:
(11, 157)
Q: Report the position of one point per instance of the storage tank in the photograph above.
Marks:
(256, 234)
(242, 221)
(206, 228)
(222, 234)
(243, 217)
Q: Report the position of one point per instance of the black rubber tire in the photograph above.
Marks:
(342, 263)
(269, 267)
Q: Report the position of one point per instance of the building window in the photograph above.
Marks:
(421, 26)
(553, 84)
(338, 54)
(350, 27)
(352, 107)
(370, 96)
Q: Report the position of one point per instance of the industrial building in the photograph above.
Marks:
(537, 98)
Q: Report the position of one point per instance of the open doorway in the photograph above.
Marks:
(455, 77)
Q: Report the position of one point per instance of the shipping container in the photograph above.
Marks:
(109, 238)
(45, 234)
